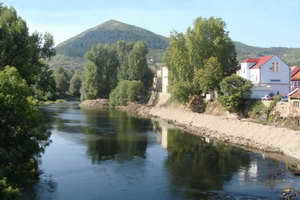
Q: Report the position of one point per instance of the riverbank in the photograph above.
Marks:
(239, 132)
(226, 129)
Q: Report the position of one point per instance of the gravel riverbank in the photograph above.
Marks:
(240, 132)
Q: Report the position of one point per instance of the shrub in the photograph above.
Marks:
(181, 91)
(126, 91)
(257, 110)
(234, 91)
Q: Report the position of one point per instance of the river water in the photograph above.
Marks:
(109, 155)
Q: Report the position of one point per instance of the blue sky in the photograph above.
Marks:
(254, 22)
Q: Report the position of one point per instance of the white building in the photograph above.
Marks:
(165, 79)
(269, 74)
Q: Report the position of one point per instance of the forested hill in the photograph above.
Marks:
(70, 54)
(290, 55)
(108, 33)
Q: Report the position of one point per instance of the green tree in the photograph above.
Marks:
(61, 78)
(126, 91)
(100, 73)
(123, 50)
(45, 86)
(234, 91)
(208, 77)
(138, 62)
(180, 91)
(177, 59)
(209, 38)
(133, 62)
(25, 51)
(192, 56)
(20, 141)
(75, 84)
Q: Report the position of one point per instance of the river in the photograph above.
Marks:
(109, 155)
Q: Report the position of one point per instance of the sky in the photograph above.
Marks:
(265, 23)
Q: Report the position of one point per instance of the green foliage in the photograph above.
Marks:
(178, 59)
(62, 79)
(257, 110)
(208, 77)
(45, 87)
(100, 73)
(234, 91)
(126, 91)
(209, 38)
(137, 61)
(181, 91)
(27, 52)
(7, 192)
(133, 62)
(75, 85)
(202, 56)
(20, 141)
(290, 55)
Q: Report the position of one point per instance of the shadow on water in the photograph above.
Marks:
(130, 158)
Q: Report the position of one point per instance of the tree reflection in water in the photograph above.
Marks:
(122, 137)
(196, 166)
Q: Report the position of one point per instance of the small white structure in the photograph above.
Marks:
(269, 74)
(165, 79)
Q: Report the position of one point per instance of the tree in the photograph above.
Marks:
(20, 140)
(61, 78)
(180, 91)
(100, 73)
(25, 51)
(234, 91)
(45, 86)
(123, 50)
(133, 62)
(209, 38)
(138, 61)
(208, 77)
(192, 56)
(75, 84)
(178, 59)
(126, 91)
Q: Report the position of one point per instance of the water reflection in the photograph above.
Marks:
(107, 154)
(196, 166)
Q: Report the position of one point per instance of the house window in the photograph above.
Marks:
(275, 67)
(296, 104)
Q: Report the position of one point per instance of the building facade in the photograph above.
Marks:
(269, 74)
(295, 77)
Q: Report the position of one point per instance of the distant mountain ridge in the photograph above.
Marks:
(71, 52)
(290, 55)
(107, 33)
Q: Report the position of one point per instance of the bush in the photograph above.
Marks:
(234, 91)
(257, 110)
(181, 91)
(126, 91)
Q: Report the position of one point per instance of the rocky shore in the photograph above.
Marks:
(234, 131)
(229, 130)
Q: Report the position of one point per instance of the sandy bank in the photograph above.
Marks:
(97, 103)
(262, 137)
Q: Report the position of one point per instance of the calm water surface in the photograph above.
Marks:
(108, 155)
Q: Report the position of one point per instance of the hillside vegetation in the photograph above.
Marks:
(108, 33)
(71, 52)
(290, 55)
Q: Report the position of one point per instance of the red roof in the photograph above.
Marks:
(295, 70)
(258, 62)
(295, 94)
